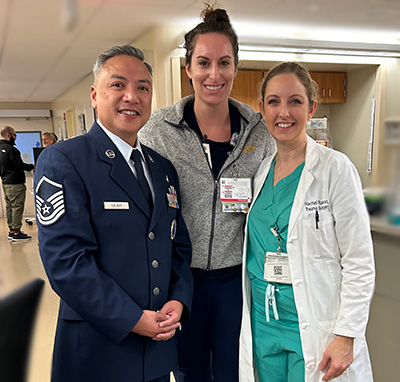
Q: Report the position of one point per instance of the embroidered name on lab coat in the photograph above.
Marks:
(317, 205)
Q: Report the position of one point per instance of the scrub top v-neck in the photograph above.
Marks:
(272, 208)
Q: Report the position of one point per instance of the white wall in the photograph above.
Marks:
(350, 122)
(160, 46)
(23, 124)
(392, 152)
(27, 124)
(78, 100)
(393, 89)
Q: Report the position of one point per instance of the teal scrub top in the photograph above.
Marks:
(271, 209)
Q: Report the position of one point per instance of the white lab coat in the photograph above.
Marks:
(332, 267)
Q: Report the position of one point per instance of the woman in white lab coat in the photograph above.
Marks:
(308, 251)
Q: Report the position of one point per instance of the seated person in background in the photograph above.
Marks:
(49, 138)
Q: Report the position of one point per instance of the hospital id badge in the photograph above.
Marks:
(235, 194)
(276, 268)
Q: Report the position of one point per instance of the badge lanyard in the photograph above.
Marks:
(275, 232)
(276, 264)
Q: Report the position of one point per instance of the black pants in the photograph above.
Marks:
(208, 345)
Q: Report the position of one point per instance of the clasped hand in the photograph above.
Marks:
(160, 325)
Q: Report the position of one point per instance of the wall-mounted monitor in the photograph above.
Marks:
(26, 141)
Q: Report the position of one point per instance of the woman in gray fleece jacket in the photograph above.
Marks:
(210, 139)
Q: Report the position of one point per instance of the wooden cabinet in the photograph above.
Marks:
(332, 86)
(245, 87)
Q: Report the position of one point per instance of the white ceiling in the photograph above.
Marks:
(43, 52)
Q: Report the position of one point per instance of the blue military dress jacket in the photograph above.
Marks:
(109, 256)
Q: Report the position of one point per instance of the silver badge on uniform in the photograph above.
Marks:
(110, 154)
(50, 203)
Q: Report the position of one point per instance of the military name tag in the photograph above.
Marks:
(116, 205)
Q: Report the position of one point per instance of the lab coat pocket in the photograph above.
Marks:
(322, 265)
(324, 272)
(319, 237)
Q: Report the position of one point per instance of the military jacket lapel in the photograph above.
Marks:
(160, 182)
(119, 169)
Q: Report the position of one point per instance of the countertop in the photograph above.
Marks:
(381, 225)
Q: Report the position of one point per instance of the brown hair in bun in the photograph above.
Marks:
(214, 21)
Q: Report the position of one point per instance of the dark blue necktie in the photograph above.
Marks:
(141, 178)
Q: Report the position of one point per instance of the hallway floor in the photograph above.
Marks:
(20, 263)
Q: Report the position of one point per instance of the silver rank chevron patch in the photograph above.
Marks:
(50, 204)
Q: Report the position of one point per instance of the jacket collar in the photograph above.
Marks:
(249, 119)
(313, 152)
(174, 115)
(119, 168)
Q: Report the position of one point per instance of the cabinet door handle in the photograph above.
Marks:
(329, 93)
(323, 92)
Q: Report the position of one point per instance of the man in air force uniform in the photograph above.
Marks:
(112, 239)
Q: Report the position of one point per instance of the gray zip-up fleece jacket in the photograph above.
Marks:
(217, 237)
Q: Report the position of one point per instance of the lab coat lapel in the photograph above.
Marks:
(119, 169)
(305, 182)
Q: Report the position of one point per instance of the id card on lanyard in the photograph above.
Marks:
(276, 264)
(236, 194)
(276, 268)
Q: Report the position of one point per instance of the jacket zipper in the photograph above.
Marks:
(214, 206)
(210, 244)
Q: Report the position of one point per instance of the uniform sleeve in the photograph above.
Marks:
(356, 250)
(68, 249)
